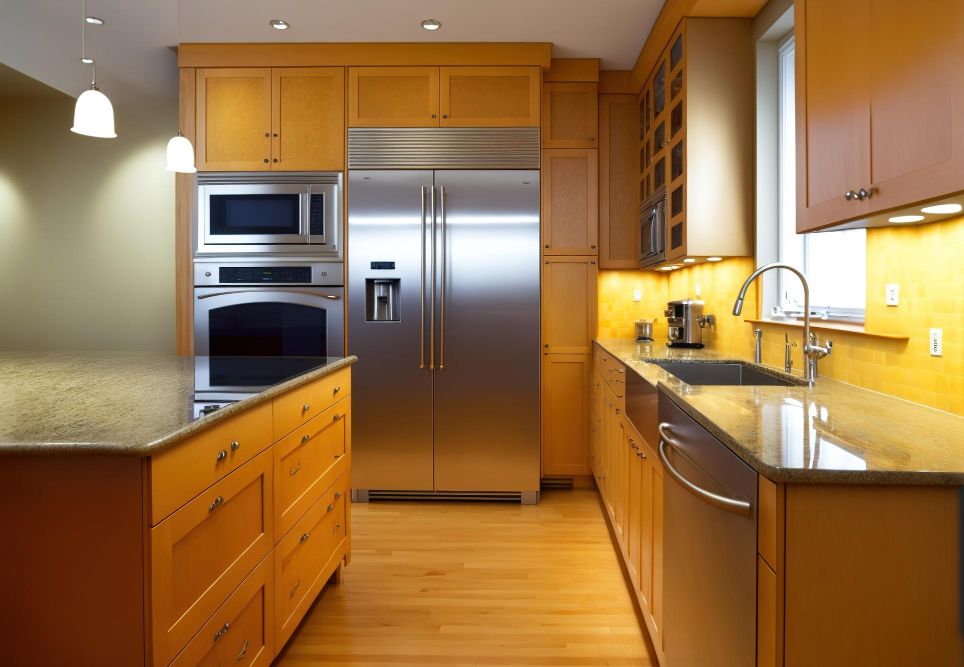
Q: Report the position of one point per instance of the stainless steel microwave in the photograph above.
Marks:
(652, 229)
(289, 213)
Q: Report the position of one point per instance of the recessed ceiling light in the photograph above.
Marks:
(93, 20)
(907, 218)
(714, 259)
(942, 208)
(666, 268)
(431, 24)
(689, 260)
(278, 24)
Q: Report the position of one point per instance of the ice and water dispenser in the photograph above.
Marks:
(382, 299)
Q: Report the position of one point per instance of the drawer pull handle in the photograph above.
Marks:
(335, 418)
(640, 455)
(337, 495)
(304, 538)
(221, 632)
(337, 389)
(244, 651)
(292, 593)
(222, 455)
(305, 439)
(331, 507)
(634, 445)
(335, 529)
(217, 501)
(291, 473)
(306, 408)
(235, 445)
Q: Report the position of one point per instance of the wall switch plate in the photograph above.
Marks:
(637, 295)
(697, 290)
(936, 342)
(893, 294)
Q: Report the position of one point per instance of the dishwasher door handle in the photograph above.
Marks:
(740, 507)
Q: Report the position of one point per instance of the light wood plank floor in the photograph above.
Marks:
(476, 584)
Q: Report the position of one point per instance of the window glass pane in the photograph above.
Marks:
(837, 269)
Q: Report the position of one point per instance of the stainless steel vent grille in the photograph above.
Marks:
(497, 496)
(443, 148)
(231, 177)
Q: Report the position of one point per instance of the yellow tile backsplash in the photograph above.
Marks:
(927, 261)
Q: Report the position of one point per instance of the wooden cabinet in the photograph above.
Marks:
(565, 419)
(896, 132)
(568, 304)
(570, 201)
(233, 123)
(696, 141)
(308, 119)
(489, 96)
(618, 204)
(259, 119)
(393, 97)
(569, 115)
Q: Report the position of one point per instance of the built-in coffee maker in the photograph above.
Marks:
(685, 322)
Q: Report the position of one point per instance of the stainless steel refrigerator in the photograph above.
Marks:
(443, 314)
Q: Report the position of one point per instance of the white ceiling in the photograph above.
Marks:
(42, 37)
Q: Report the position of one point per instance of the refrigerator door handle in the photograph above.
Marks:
(421, 322)
(431, 333)
(441, 317)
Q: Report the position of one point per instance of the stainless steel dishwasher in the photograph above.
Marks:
(709, 546)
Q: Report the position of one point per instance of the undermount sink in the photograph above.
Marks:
(734, 373)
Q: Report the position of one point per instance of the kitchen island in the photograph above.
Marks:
(844, 546)
(137, 532)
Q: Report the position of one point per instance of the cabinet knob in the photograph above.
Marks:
(640, 455)
(276, 134)
(235, 445)
(337, 389)
(337, 495)
(850, 194)
(267, 134)
(335, 417)
(222, 455)
(266, 159)
(304, 538)
(305, 438)
(445, 115)
(217, 501)
(863, 194)
(306, 408)
(433, 115)
(275, 160)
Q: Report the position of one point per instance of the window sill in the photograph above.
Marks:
(857, 329)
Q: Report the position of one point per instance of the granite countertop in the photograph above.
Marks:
(832, 432)
(113, 403)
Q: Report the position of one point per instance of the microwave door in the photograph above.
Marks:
(255, 214)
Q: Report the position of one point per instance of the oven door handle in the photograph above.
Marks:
(333, 297)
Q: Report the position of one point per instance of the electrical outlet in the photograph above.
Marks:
(893, 294)
(936, 342)
(697, 290)
(637, 295)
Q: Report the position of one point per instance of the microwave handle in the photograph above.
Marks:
(333, 297)
(305, 212)
(659, 229)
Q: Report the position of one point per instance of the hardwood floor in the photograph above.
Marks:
(476, 584)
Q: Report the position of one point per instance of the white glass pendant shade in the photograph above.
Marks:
(94, 115)
(180, 155)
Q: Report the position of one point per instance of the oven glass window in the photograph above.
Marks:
(255, 214)
(268, 330)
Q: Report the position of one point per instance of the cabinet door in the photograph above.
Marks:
(618, 206)
(570, 115)
(233, 119)
(570, 199)
(393, 97)
(621, 475)
(916, 77)
(568, 304)
(489, 96)
(656, 604)
(308, 119)
(646, 507)
(634, 506)
(565, 419)
(832, 109)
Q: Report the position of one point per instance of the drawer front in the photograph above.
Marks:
(181, 472)
(308, 461)
(203, 551)
(294, 408)
(304, 557)
(241, 632)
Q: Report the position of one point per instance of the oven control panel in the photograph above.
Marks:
(264, 274)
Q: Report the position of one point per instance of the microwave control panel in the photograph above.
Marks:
(316, 215)
(264, 274)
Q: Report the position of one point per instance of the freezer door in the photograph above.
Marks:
(487, 331)
(388, 212)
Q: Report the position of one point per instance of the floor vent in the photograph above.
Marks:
(472, 496)
(557, 482)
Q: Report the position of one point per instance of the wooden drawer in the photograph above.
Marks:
(308, 461)
(204, 550)
(241, 632)
(307, 555)
(184, 470)
(294, 408)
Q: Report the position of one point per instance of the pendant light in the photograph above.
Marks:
(93, 113)
(180, 152)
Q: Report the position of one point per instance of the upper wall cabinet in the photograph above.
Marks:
(570, 201)
(879, 106)
(254, 119)
(308, 118)
(233, 119)
(443, 96)
(569, 115)
(618, 207)
(489, 96)
(393, 97)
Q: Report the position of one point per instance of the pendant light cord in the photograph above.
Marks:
(83, 46)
